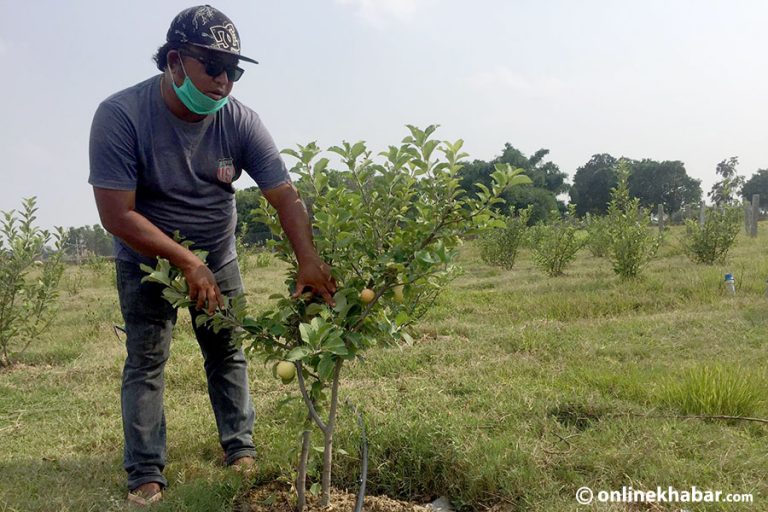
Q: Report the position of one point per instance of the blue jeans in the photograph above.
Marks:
(149, 322)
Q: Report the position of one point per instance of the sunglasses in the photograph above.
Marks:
(216, 67)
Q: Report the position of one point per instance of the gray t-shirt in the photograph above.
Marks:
(182, 172)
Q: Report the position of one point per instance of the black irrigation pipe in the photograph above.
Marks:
(118, 329)
(364, 456)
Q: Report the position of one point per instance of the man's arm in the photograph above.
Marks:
(118, 216)
(314, 273)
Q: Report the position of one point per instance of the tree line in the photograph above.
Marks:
(652, 182)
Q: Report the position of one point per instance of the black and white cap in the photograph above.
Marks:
(208, 28)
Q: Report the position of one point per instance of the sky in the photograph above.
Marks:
(667, 80)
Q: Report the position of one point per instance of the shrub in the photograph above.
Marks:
(555, 245)
(264, 259)
(711, 242)
(499, 246)
(632, 241)
(29, 277)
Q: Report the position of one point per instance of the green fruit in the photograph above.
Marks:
(286, 371)
(398, 291)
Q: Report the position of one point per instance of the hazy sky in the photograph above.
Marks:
(668, 80)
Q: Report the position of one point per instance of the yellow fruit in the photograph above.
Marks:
(398, 291)
(286, 371)
(367, 295)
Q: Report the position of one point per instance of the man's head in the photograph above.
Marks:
(202, 28)
(201, 54)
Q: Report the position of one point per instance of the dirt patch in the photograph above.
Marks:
(275, 497)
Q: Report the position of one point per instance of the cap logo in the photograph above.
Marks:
(225, 37)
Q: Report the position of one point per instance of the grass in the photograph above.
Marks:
(519, 390)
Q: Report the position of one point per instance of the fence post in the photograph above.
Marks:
(747, 216)
(661, 218)
(702, 214)
(755, 214)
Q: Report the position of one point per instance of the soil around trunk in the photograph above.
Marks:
(276, 497)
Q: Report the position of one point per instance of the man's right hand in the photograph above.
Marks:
(203, 288)
(119, 217)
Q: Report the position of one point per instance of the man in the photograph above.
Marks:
(163, 155)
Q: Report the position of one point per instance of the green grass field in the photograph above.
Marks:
(519, 390)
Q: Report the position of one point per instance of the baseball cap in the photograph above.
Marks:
(208, 28)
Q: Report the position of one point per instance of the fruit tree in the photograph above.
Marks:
(389, 228)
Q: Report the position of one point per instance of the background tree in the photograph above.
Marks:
(247, 201)
(664, 183)
(548, 181)
(86, 240)
(757, 184)
(726, 190)
(592, 184)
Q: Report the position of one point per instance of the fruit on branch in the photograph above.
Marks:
(367, 295)
(398, 291)
(286, 371)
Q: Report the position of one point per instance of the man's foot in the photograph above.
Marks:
(245, 464)
(145, 494)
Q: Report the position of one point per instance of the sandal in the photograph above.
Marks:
(140, 500)
(245, 465)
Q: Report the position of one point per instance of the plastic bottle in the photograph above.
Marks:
(730, 284)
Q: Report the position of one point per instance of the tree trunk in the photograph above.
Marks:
(301, 479)
(328, 435)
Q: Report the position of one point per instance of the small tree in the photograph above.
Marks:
(632, 242)
(499, 246)
(710, 243)
(390, 232)
(242, 248)
(29, 277)
(555, 244)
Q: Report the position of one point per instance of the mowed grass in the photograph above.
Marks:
(519, 390)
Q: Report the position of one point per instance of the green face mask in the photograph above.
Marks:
(195, 100)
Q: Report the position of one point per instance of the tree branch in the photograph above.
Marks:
(307, 400)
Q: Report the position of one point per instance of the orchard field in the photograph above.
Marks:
(518, 390)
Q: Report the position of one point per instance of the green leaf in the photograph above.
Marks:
(306, 332)
(335, 345)
(341, 302)
(252, 326)
(315, 489)
(298, 353)
(320, 165)
(292, 153)
(325, 367)
(425, 257)
(357, 150)
(314, 309)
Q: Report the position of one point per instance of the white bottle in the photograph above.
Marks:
(730, 284)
